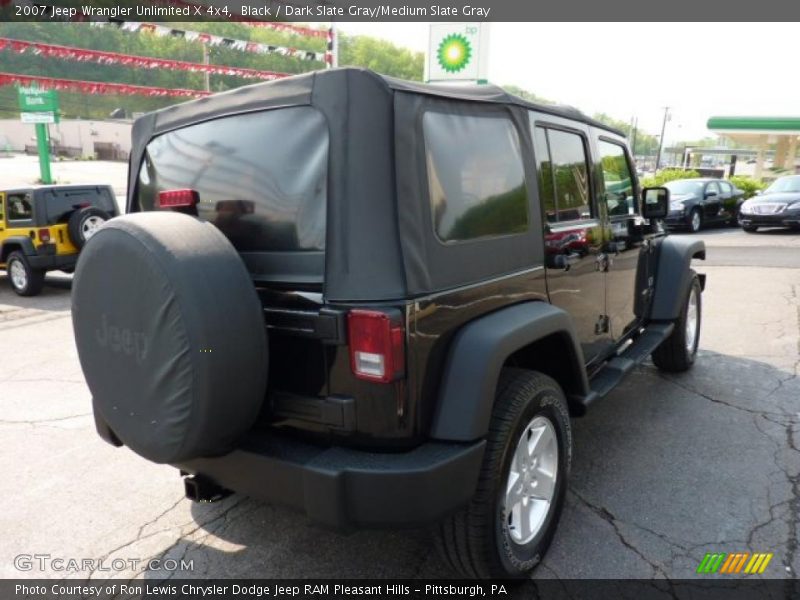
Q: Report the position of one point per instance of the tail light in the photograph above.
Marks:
(44, 236)
(377, 346)
(178, 198)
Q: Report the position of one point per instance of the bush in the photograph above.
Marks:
(748, 185)
(666, 175)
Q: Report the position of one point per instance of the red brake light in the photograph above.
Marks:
(177, 198)
(44, 236)
(377, 346)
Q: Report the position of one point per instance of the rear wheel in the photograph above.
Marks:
(677, 353)
(695, 221)
(25, 280)
(510, 522)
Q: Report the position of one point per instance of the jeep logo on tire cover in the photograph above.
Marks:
(122, 340)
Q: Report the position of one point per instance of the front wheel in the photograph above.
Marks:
(25, 280)
(678, 351)
(510, 522)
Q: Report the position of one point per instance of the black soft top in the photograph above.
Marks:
(380, 243)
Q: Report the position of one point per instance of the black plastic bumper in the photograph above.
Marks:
(53, 261)
(345, 488)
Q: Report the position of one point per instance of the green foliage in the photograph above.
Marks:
(379, 55)
(646, 144)
(666, 175)
(505, 213)
(749, 185)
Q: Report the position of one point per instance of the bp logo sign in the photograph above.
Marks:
(457, 52)
(454, 53)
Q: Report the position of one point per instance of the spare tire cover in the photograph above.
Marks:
(170, 334)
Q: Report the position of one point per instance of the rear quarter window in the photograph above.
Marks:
(261, 177)
(476, 178)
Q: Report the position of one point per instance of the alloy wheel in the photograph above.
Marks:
(531, 483)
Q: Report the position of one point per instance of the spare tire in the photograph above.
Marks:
(84, 223)
(170, 334)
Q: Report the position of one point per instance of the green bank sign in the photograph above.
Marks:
(36, 100)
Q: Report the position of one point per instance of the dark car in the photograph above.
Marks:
(777, 206)
(379, 302)
(695, 203)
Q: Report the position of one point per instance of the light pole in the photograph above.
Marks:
(661, 139)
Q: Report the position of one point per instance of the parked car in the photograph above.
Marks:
(43, 228)
(383, 304)
(695, 203)
(776, 206)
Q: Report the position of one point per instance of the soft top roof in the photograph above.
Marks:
(299, 89)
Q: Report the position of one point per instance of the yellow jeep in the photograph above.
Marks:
(43, 228)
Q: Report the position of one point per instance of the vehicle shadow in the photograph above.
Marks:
(55, 295)
(666, 468)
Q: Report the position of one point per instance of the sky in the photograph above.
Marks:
(636, 69)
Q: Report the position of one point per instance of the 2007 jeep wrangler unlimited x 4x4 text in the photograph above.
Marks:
(379, 302)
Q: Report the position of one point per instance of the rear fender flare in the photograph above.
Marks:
(478, 353)
(14, 243)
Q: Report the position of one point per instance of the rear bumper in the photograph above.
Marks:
(345, 488)
(53, 261)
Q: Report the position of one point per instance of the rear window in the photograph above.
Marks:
(61, 203)
(261, 177)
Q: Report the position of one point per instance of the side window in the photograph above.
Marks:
(20, 207)
(476, 178)
(544, 169)
(617, 179)
(726, 187)
(563, 175)
(2, 207)
(712, 188)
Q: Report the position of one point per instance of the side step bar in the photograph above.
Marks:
(616, 369)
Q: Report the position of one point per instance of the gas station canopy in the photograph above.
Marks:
(762, 132)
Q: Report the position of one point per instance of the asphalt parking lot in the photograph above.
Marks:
(665, 469)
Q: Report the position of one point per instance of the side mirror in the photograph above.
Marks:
(711, 194)
(656, 202)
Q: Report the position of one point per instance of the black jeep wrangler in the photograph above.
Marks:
(379, 302)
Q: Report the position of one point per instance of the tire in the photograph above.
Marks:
(678, 352)
(84, 223)
(25, 280)
(695, 220)
(479, 540)
(750, 228)
(170, 335)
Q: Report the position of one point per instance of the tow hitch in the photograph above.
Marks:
(202, 489)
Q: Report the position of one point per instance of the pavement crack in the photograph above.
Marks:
(42, 421)
(687, 388)
(614, 522)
